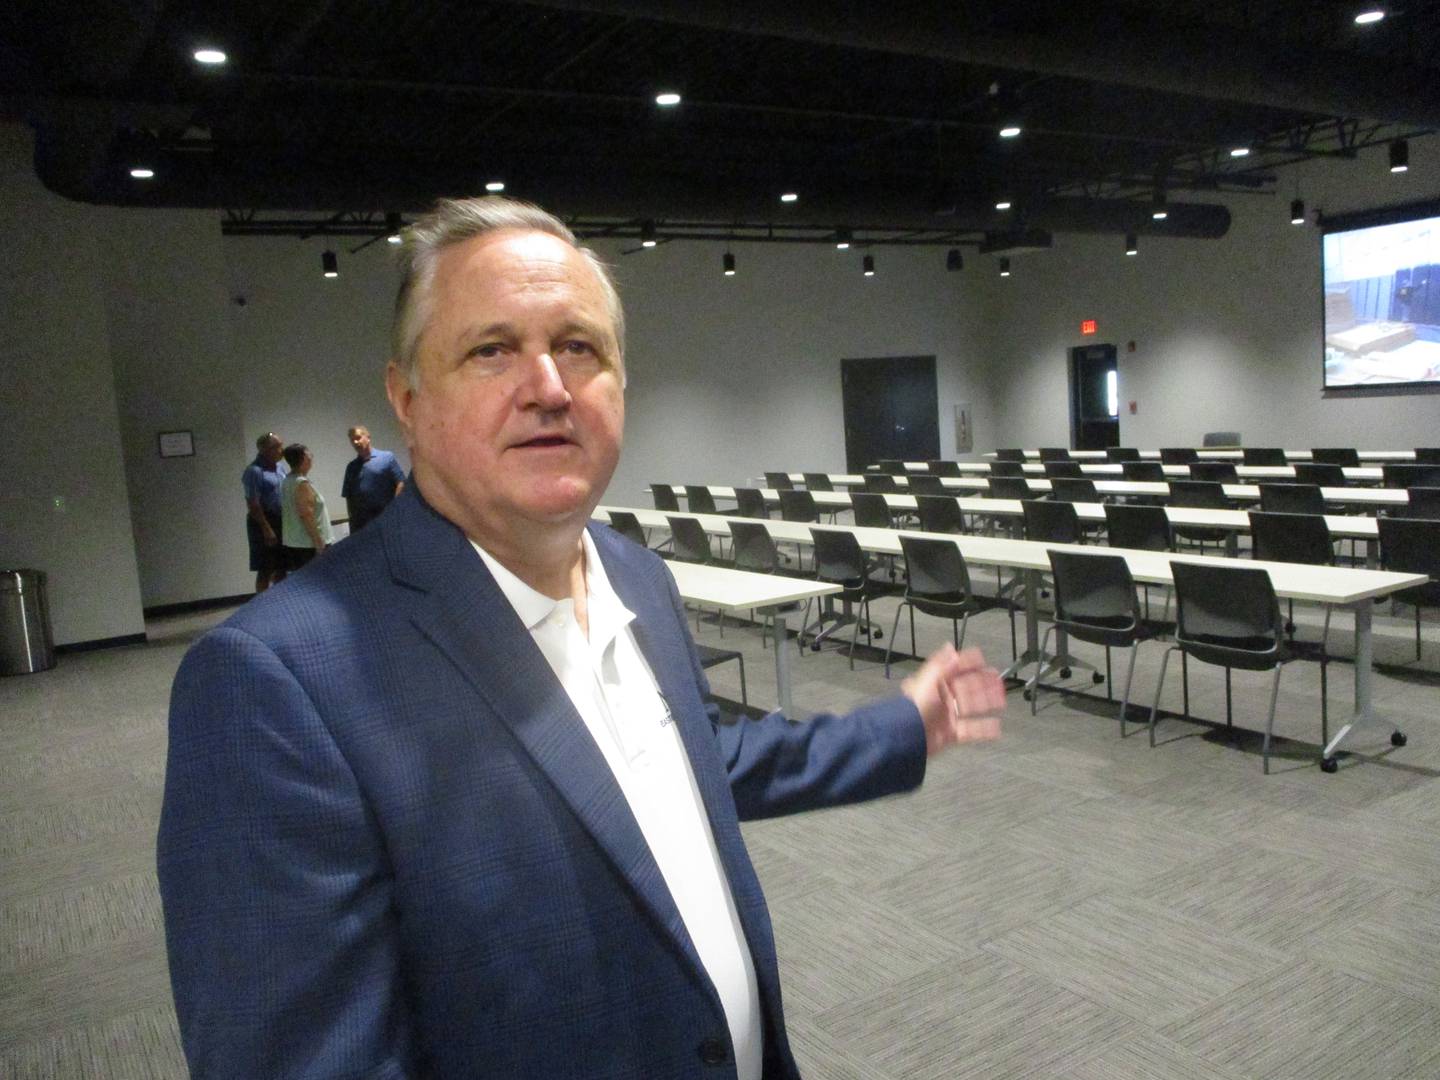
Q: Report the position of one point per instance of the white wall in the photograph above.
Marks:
(58, 410)
(1227, 332)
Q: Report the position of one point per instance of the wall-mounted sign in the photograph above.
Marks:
(1087, 326)
(177, 444)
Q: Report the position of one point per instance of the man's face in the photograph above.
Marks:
(519, 412)
(272, 452)
(360, 440)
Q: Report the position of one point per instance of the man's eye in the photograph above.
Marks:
(486, 352)
(578, 348)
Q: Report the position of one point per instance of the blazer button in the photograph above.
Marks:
(713, 1052)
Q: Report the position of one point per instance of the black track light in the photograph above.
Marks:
(1399, 156)
(954, 260)
(1004, 267)
(728, 263)
(393, 225)
(329, 265)
(842, 239)
(1159, 211)
(869, 266)
(1297, 212)
(647, 234)
(1132, 245)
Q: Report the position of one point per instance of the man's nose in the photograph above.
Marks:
(543, 384)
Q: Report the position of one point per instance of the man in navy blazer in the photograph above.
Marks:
(408, 826)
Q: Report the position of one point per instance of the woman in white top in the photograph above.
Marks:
(305, 523)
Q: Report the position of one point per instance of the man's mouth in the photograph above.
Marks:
(544, 441)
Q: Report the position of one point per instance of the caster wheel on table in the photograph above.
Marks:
(815, 647)
(1328, 764)
(879, 634)
(1027, 694)
(1097, 678)
(1065, 673)
(1397, 738)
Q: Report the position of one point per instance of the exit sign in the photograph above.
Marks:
(1087, 326)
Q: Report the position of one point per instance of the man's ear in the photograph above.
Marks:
(402, 396)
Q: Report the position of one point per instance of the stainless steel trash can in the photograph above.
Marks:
(25, 642)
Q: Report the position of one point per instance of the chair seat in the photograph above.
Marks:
(946, 608)
(1248, 654)
(1116, 632)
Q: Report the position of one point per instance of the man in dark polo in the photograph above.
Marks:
(371, 480)
(261, 483)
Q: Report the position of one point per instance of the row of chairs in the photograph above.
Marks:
(1346, 457)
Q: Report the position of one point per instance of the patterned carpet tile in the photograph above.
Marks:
(46, 928)
(1146, 1056)
(1368, 843)
(140, 1044)
(1395, 942)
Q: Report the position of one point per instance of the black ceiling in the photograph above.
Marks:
(883, 117)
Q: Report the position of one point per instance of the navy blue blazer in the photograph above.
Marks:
(389, 846)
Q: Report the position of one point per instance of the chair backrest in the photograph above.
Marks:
(1291, 499)
(691, 543)
(1091, 588)
(750, 503)
(779, 481)
(1424, 503)
(698, 499)
(945, 468)
(1404, 476)
(1010, 487)
(754, 550)
(1283, 537)
(1148, 471)
(798, 506)
(940, 514)
(1427, 455)
(935, 568)
(1198, 494)
(1344, 456)
(1410, 545)
(1063, 468)
(664, 496)
(1263, 455)
(627, 525)
(1074, 489)
(1009, 455)
(1051, 522)
(884, 483)
(838, 557)
(1054, 453)
(893, 466)
(1222, 472)
(1321, 474)
(1220, 438)
(1146, 528)
(1228, 606)
(871, 510)
(1178, 455)
(926, 484)
(1116, 454)
(1007, 468)
(817, 481)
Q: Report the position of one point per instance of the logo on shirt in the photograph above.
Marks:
(669, 717)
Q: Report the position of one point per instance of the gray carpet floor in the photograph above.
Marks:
(1063, 902)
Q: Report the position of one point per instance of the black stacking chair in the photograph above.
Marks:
(1199, 495)
(1220, 438)
(1094, 602)
(1321, 474)
(1406, 476)
(798, 505)
(1011, 487)
(1074, 489)
(938, 583)
(1063, 468)
(1054, 453)
(779, 481)
(753, 549)
(1118, 454)
(628, 526)
(1424, 503)
(1345, 456)
(891, 466)
(692, 543)
(710, 656)
(945, 468)
(1140, 527)
(699, 500)
(1219, 472)
(750, 503)
(1178, 455)
(1263, 455)
(1229, 616)
(1150, 472)
(1051, 522)
(1009, 455)
(1427, 455)
(1291, 499)
(817, 481)
(1412, 546)
(871, 510)
(923, 484)
(664, 496)
(1007, 468)
(839, 560)
(882, 483)
(940, 514)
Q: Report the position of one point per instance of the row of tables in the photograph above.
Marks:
(1210, 454)
(734, 590)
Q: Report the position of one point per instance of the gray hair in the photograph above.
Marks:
(453, 221)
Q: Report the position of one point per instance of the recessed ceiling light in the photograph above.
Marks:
(1374, 15)
(789, 196)
(495, 185)
(1009, 131)
(1240, 151)
(141, 173)
(209, 56)
(1159, 214)
(1003, 204)
(667, 99)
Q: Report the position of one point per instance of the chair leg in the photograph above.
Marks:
(1159, 685)
(744, 696)
(1270, 720)
(1129, 678)
(890, 645)
(1109, 683)
(1417, 633)
(1033, 686)
(1324, 689)
(964, 625)
(1229, 715)
(1185, 682)
(804, 625)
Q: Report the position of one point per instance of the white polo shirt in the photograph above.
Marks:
(614, 691)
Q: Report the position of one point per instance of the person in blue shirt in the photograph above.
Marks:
(261, 482)
(371, 480)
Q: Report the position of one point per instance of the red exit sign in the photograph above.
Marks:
(1087, 326)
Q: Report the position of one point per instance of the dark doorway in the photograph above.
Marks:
(891, 410)
(1094, 398)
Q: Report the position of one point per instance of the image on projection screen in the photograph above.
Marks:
(1382, 304)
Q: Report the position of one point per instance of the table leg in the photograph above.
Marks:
(782, 664)
(1364, 687)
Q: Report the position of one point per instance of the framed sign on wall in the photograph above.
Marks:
(176, 444)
